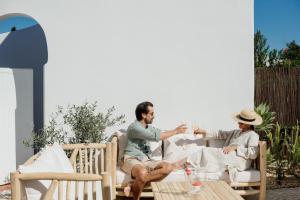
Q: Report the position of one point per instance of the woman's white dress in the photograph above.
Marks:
(214, 160)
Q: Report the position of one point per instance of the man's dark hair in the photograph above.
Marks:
(142, 108)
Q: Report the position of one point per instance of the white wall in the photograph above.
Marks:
(193, 59)
(7, 123)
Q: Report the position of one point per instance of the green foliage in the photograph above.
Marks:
(268, 118)
(276, 149)
(284, 150)
(292, 143)
(75, 124)
(87, 125)
(263, 57)
(291, 55)
(50, 134)
(261, 50)
(269, 157)
(274, 58)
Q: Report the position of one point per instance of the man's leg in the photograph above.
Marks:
(142, 176)
(136, 170)
(139, 173)
(160, 171)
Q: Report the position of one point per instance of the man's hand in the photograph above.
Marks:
(181, 129)
(228, 149)
(199, 131)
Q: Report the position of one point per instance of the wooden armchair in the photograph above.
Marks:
(91, 162)
(251, 188)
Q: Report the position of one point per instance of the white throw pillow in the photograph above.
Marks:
(51, 159)
(156, 150)
(122, 142)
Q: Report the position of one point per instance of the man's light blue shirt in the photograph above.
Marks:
(138, 140)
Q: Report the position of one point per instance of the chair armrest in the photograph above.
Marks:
(60, 176)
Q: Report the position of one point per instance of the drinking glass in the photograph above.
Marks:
(194, 181)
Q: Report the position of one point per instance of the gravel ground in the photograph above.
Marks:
(281, 194)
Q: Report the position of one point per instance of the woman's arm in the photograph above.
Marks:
(251, 151)
(213, 134)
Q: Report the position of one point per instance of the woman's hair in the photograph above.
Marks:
(252, 127)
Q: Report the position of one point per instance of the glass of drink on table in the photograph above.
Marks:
(194, 180)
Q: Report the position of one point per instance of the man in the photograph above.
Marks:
(137, 156)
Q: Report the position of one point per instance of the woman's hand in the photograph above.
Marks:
(199, 131)
(229, 149)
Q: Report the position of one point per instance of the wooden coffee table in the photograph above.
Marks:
(215, 190)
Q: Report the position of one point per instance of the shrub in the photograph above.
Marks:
(268, 118)
(75, 124)
(276, 149)
(292, 143)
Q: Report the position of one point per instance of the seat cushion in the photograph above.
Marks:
(177, 175)
(250, 175)
(122, 177)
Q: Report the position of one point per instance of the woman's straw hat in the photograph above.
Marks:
(247, 116)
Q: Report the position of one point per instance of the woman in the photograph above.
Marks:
(240, 147)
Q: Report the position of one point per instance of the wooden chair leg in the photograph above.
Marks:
(15, 186)
(262, 192)
(106, 189)
(263, 171)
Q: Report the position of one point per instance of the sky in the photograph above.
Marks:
(278, 20)
(18, 21)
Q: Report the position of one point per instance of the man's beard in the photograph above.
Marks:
(149, 122)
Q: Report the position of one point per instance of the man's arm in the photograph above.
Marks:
(180, 129)
(139, 132)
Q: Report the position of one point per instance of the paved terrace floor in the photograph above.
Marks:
(277, 194)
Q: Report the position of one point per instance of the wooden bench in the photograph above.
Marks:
(242, 188)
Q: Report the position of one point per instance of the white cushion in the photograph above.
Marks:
(250, 175)
(122, 177)
(51, 159)
(122, 142)
(156, 150)
(180, 146)
(178, 175)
